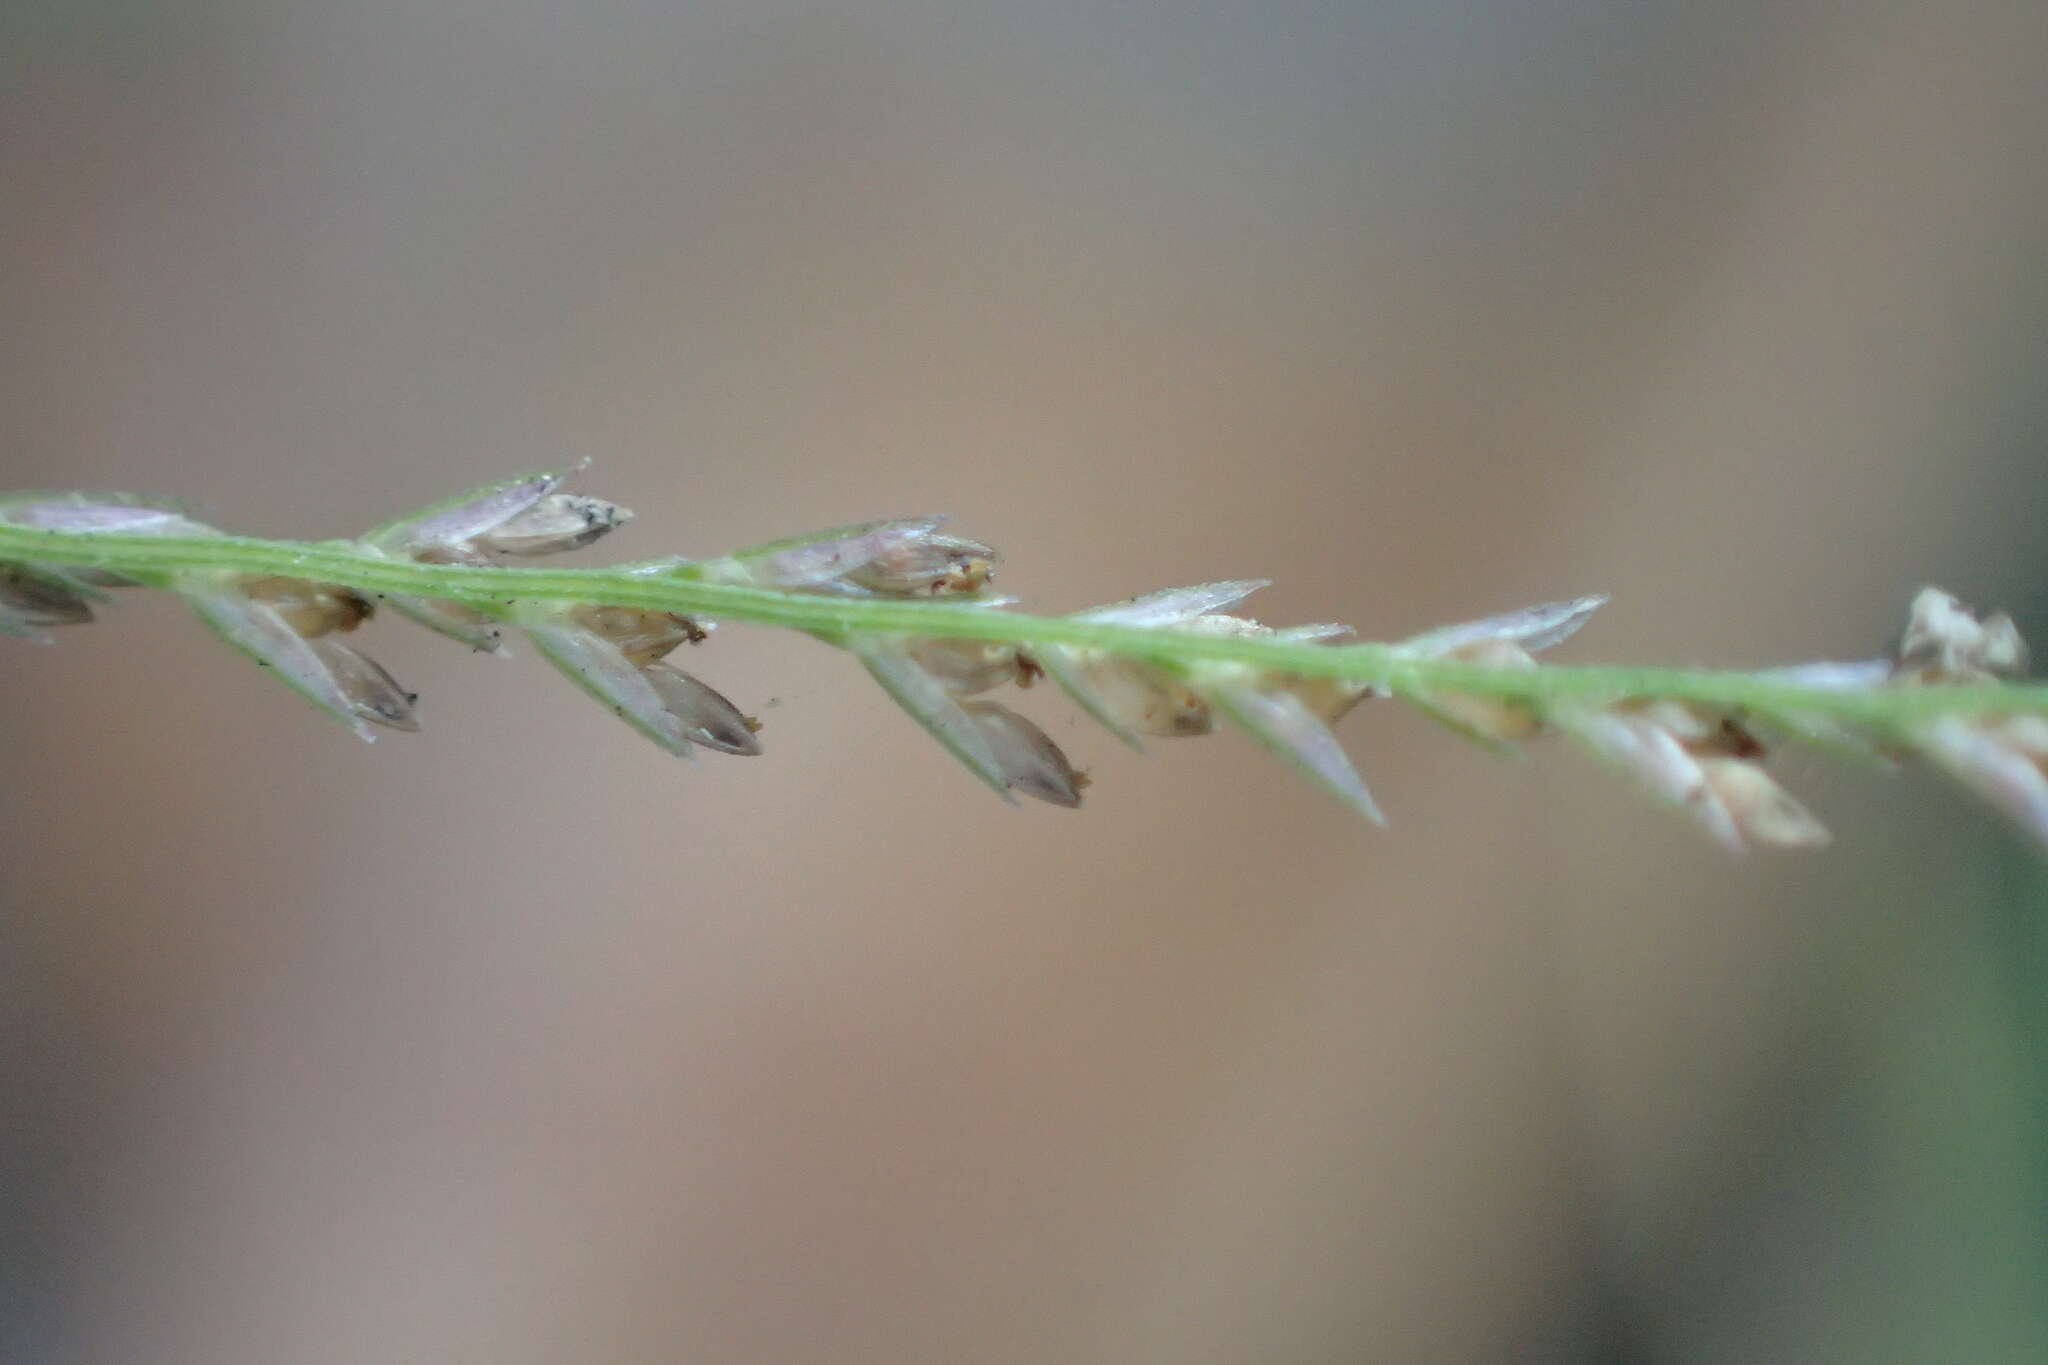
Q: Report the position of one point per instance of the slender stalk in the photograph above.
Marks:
(680, 588)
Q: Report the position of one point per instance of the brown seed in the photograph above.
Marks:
(642, 636)
(707, 717)
(372, 693)
(933, 566)
(1030, 762)
(311, 609)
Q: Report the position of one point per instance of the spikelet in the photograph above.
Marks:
(523, 518)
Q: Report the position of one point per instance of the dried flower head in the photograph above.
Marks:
(968, 667)
(616, 655)
(372, 694)
(931, 565)
(929, 702)
(642, 636)
(905, 557)
(339, 680)
(822, 561)
(311, 609)
(1029, 761)
(2003, 759)
(1944, 642)
(1145, 698)
(1127, 696)
(706, 717)
(1510, 641)
(1710, 766)
(552, 525)
(522, 518)
(1329, 699)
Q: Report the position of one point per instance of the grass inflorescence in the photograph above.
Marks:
(916, 607)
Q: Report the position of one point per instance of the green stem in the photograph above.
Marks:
(680, 589)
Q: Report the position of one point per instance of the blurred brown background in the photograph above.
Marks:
(518, 1042)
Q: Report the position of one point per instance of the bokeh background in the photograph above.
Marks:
(517, 1042)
